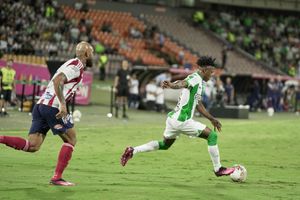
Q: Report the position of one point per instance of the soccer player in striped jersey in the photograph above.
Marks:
(50, 112)
(180, 120)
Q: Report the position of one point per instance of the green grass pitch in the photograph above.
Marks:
(267, 147)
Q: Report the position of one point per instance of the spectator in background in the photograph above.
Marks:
(207, 98)
(298, 69)
(3, 43)
(123, 44)
(278, 86)
(74, 34)
(78, 5)
(198, 17)
(82, 5)
(106, 27)
(121, 87)
(224, 56)
(151, 89)
(133, 101)
(297, 101)
(161, 40)
(254, 99)
(7, 78)
(187, 65)
(160, 98)
(290, 98)
(271, 94)
(229, 92)
(134, 32)
(181, 57)
(219, 93)
(103, 59)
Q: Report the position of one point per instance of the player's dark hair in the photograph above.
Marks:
(205, 61)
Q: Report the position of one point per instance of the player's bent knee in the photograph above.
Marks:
(33, 149)
(212, 138)
(163, 145)
(72, 141)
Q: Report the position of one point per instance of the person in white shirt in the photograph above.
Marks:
(133, 101)
(160, 98)
(151, 94)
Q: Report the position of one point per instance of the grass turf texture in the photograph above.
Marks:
(267, 147)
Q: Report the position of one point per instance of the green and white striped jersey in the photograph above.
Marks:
(189, 98)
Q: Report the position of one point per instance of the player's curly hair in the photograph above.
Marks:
(205, 61)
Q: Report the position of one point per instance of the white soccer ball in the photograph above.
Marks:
(77, 115)
(239, 174)
(109, 115)
(270, 111)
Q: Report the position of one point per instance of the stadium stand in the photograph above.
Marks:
(205, 44)
(59, 27)
(119, 36)
(268, 37)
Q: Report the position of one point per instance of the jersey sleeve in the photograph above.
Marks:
(192, 80)
(71, 72)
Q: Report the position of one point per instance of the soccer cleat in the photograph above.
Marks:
(61, 182)
(128, 153)
(223, 171)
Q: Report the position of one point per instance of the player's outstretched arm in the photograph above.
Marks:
(206, 114)
(175, 85)
(59, 82)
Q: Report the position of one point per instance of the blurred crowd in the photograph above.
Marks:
(53, 35)
(39, 28)
(271, 38)
(261, 94)
(151, 97)
(275, 94)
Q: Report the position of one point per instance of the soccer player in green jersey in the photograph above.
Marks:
(180, 120)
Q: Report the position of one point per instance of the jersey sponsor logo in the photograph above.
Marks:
(58, 126)
(47, 95)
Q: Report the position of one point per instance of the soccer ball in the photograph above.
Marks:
(270, 111)
(77, 115)
(239, 174)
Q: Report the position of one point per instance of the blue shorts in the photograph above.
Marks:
(43, 118)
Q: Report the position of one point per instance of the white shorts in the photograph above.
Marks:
(189, 127)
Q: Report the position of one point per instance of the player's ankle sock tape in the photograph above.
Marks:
(212, 138)
(163, 146)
